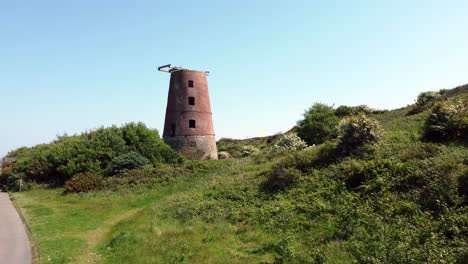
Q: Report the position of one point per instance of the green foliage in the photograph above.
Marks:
(406, 202)
(356, 133)
(249, 150)
(5, 173)
(235, 146)
(448, 121)
(223, 155)
(463, 185)
(319, 124)
(288, 170)
(289, 142)
(281, 177)
(427, 98)
(128, 161)
(344, 110)
(84, 182)
(93, 152)
(424, 101)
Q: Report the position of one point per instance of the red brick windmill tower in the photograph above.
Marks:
(188, 126)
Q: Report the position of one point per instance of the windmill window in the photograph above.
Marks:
(192, 123)
(190, 83)
(173, 127)
(191, 100)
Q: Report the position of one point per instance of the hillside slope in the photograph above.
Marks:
(406, 202)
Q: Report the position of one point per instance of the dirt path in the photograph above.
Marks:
(14, 244)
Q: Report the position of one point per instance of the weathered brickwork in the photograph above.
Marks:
(188, 126)
(194, 147)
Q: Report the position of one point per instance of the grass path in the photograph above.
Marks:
(69, 228)
(94, 237)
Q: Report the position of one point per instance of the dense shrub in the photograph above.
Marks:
(319, 124)
(448, 121)
(357, 134)
(128, 161)
(344, 110)
(92, 152)
(5, 173)
(463, 185)
(281, 177)
(356, 173)
(8, 180)
(249, 150)
(224, 155)
(427, 98)
(289, 142)
(287, 172)
(424, 101)
(84, 182)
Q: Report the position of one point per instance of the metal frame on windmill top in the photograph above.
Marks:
(170, 69)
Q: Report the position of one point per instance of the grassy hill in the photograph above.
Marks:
(404, 202)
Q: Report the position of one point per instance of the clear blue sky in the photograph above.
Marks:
(69, 66)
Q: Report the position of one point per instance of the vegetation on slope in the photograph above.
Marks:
(104, 151)
(400, 199)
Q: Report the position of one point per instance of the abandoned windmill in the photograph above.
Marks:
(188, 126)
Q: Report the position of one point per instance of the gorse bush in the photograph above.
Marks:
(427, 98)
(344, 110)
(424, 101)
(84, 182)
(224, 155)
(289, 142)
(288, 170)
(249, 150)
(448, 121)
(92, 152)
(319, 124)
(357, 133)
(128, 161)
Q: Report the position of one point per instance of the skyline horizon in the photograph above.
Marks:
(76, 133)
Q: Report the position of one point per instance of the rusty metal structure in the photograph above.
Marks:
(188, 126)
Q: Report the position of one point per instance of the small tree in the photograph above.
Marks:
(319, 124)
(356, 133)
(447, 121)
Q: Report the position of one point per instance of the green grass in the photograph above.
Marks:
(406, 209)
(118, 227)
(70, 227)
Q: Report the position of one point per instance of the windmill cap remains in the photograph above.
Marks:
(170, 69)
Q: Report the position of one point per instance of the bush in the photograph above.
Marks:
(448, 121)
(92, 152)
(281, 177)
(424, 101)
(319, 124)
(289, 142)
(84, 182)
(6, 172)
(463, 185)
(344, 110)
(224, 155)
(287, 172)
(126, 162)
(357, 133)
(249, 150)
(427, 98)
